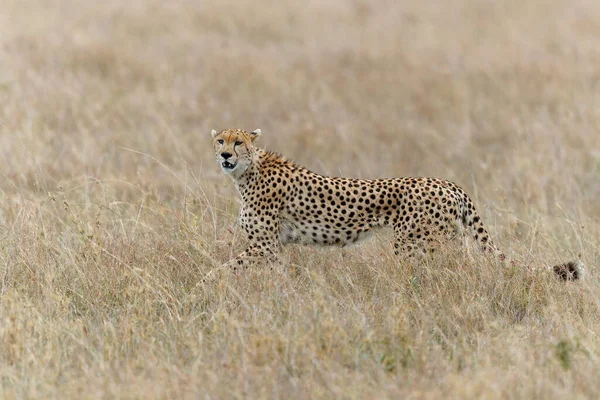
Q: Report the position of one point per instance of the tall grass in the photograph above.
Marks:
(113, 210)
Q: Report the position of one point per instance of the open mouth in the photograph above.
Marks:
(228, 165)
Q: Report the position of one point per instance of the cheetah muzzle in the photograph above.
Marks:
(228, 165)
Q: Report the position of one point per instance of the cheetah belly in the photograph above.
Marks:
(289, 232)
(312, 234)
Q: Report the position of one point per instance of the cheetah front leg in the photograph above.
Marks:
(253, 255)
(262, 231)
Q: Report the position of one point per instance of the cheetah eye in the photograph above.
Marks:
(239, 143)
(220, 141)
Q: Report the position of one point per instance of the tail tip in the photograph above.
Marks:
(571, 271)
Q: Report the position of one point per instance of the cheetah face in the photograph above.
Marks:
(234, 149)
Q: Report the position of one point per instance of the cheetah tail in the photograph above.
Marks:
(570, 271)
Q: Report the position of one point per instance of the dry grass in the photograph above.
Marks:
(112, 208)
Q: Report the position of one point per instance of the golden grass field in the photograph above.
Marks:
(113, 208)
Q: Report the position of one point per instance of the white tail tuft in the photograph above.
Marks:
(570, 271)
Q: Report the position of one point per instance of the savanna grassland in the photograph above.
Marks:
(112, 208)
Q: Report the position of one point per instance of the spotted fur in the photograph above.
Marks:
(286, 203)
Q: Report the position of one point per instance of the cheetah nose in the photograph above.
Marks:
(225, 155)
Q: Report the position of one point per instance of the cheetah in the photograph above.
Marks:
(286, 203)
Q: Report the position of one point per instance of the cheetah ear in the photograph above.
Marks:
(213, 133)
(255, 134)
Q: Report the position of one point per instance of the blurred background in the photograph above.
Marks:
(502, 97)
(113, 209)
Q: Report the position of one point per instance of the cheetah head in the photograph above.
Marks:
(234, 149)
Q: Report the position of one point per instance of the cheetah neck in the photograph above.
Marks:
(251, 174)
(261, 161)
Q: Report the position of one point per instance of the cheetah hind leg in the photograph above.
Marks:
(412, 250)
